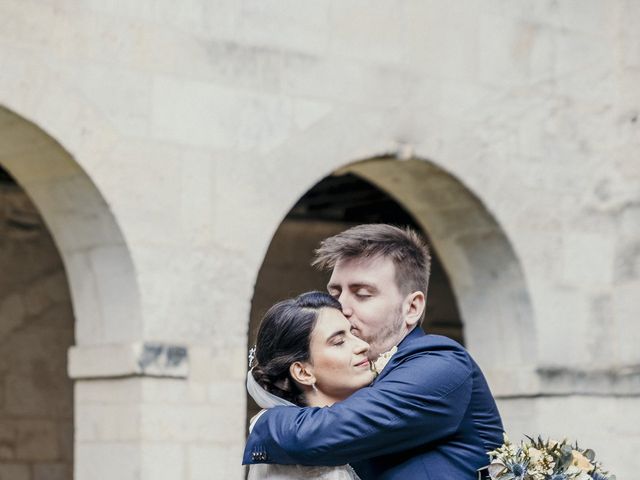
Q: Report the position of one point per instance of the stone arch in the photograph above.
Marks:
(97, 262)
(485, 273)
(484, 270)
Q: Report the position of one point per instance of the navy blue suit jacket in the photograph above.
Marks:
(429, 415)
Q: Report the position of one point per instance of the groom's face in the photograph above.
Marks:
(371, 301)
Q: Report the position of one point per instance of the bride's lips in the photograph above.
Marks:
(363, 363)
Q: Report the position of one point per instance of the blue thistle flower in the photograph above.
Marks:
(598, 476)
(517, 470)
(558, 476)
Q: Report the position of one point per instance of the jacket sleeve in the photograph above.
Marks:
(422, 399)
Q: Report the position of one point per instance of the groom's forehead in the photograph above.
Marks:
(363, 270)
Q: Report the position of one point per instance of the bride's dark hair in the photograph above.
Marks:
(284, 337)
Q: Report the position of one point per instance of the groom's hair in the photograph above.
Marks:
(407, 250)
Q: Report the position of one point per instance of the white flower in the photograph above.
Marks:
(382, 360)
(496, 469)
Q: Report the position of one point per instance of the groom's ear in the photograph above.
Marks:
(413, 307)
(302, 373)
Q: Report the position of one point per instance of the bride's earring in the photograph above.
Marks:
(315, 389)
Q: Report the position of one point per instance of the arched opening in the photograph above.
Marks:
(104, 290)
(334, 204)
(65, 275)
(478, 292)
(485, 273)
(331, 206)
(36, 330)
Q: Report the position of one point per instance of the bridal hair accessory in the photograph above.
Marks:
(252, 356)
(263, 398)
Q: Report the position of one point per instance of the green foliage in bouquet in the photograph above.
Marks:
(539, 459)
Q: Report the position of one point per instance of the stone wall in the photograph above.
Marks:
(190, 130)
(36, 330)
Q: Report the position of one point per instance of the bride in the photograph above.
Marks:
(305, 355)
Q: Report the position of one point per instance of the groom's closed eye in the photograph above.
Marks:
(333, 291)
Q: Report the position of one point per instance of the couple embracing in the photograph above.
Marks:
(350, 385)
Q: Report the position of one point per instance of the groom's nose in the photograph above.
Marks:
(347, 311)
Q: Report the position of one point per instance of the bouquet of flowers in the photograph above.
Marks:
(544, 460)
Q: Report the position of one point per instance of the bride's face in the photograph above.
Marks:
(339, 359)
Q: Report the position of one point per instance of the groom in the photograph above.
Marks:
(429, 413)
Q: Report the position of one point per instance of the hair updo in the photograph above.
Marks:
(284, 337)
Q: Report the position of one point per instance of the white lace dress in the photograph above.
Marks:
(262, 471)
(299, 472)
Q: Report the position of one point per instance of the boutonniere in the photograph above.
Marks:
(382, 361)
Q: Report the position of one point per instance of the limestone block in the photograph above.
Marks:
(562, 332)
(184, 306)
(25, 148)
(588, 259)
(37, 383)
(593, 422)
(11, 471)
(157, 218)
(512, 52)
(163, 461)
(122, 95)
(20, 141)
(185, 423)
(52, 471)
(429, 27)
(66, 433)
(214, 365)
(215, 18)
(7, 440)
(41, 294)
(627, 260)
(37, 440)
(139, 358)
(625, 330)
(630, 39)
(243, 121)
(12, 313)
(560, 417)
(519, 417)
(25, 395)
(218, 459)
(110, 423)
(219, 393)
(108, 391)
(118, 293)
(277, 24)
(106, 461)
(167, 390)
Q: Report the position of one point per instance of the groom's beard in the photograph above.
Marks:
(388, 336)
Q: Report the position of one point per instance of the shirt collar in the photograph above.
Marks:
(417, 332)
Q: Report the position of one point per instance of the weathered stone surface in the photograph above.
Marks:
(52, 471)
(178, 138)
(17, 471)
(140, 358)
(36, 440)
